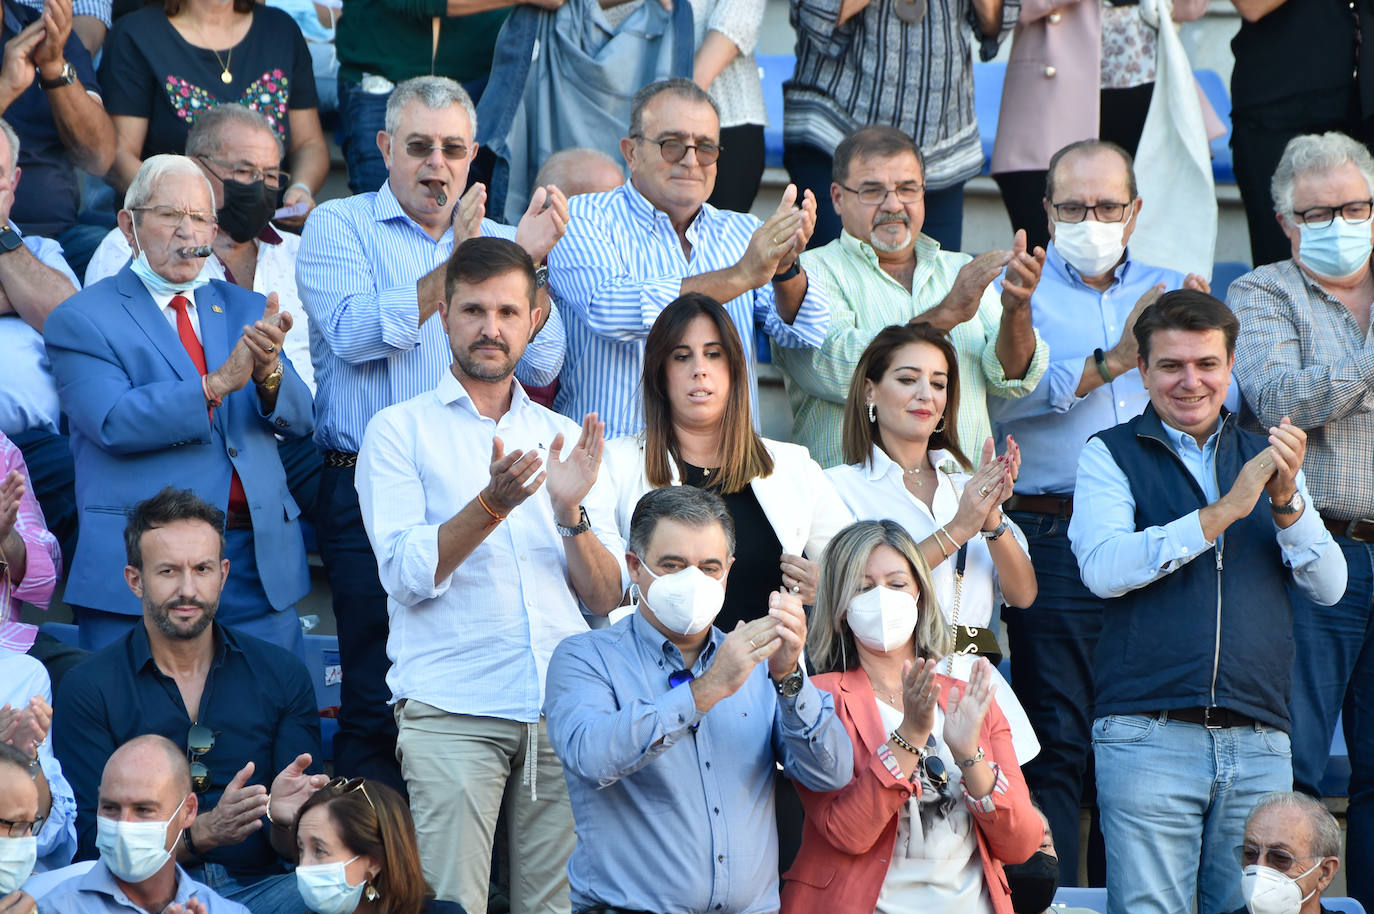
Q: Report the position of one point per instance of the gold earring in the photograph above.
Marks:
(370, 893)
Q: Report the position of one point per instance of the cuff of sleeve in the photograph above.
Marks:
(996, 375)
(986, 804)
(678, 709)
(804, 708)
(419, 548)
(1062, 379)
(1184, 539)
(654, 296)
(1302, 540)
(399, 315)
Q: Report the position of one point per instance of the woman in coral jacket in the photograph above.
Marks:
(937, 803)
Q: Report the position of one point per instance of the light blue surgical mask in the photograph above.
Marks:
(134, 851)
(1336, 250)
(160, 285)
(325, 890)
(17, 857)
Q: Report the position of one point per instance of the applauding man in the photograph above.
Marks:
(490, 543)
(663, 718)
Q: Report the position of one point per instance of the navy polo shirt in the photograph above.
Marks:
(49, 193)
(258, 701)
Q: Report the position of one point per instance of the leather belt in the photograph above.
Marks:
(1361, 531)
(1211, 718)
(1058, 505)
(340, 459)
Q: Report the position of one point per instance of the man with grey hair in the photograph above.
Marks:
(664, 718)
(1303, 354)
(371, 275)
(171, 377)
(1291, 853)
(633, 250)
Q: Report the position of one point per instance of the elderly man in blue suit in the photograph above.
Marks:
(171, 378)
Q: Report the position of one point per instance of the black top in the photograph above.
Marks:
(1329, 82)
(757, 571)
(258, 700)
(151, 72)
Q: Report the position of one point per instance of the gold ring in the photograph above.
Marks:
(984, 491)
(271, 348)
(752, 645)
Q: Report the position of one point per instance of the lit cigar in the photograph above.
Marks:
(203, 250)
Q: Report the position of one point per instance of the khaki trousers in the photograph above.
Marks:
(462, 771)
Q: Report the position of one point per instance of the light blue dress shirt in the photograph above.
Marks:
(1073, 318)
(21, 678)
(670, 818)
(97, 892)
(28, 393)
(619, 265)
(1114, 558)
(359, 260)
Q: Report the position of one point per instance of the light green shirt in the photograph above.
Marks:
(863, 300)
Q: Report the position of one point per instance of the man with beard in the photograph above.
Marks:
(479, 599)
(882, 271)
(241, 707)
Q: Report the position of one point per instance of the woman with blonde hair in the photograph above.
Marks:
(937, 802)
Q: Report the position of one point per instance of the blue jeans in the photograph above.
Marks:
(1052, 643)
(1333, 667)
(269, 895)
(1174, 798)
(361, 116)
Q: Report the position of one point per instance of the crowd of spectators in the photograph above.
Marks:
(605, 648)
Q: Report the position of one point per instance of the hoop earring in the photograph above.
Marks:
(940, 426)
(872, 412)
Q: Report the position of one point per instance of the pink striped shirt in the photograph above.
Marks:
(44, 559)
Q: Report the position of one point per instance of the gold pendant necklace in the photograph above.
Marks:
(225, 76)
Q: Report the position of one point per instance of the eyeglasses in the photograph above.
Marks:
(673, 150)
(876, 194)
(1322, 216)
(199, 741)
(1275, 858)
(419, 149)
(247, 173)
(22, 828)
(343, 786)
(170, 217)
(933, 766)
(1103, 212)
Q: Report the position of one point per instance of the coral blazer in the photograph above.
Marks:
(849, 834)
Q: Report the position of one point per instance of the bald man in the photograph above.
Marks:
(19, 808)
(580, 170)
(146, 804)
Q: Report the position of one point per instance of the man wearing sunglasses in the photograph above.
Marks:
(371, 274)
(1303, 353)
(670, 730)
(633, 250)
(1291, 853)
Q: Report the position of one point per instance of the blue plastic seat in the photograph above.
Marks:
(987, 103)
(1224, 273)
(65, 632)
(1072, 897)
(1343, 905)
(774, 70)
(322, 660)
(1214, 87)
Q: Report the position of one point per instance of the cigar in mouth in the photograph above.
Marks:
(202, 250)
(437, 188)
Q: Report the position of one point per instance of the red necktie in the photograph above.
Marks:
(238, 500)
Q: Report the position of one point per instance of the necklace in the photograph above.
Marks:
(892, 697)
(916, 472)
(225, 76)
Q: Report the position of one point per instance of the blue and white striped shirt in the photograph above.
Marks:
(359, 260)
(618, 266)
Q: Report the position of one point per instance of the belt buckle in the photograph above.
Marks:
(1207, 719)
(1358, 522)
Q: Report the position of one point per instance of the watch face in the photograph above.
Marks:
(790, 685)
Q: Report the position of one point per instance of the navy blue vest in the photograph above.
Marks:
(1218, 630)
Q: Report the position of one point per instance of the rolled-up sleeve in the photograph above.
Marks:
(1312, 555)
(810, 740)
(43, 563)
(999, 385)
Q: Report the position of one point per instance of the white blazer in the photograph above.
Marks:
(798, 499)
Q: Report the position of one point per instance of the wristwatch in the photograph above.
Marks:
(272, 381)
(583, 525)
(789, 685)
(541, 277)
(9, 239)
(790, 273)
(1294, 506)
(65, 78)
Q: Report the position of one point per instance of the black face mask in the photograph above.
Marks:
(247, 209)
(1033, 883)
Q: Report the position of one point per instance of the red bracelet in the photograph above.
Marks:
(487, 508)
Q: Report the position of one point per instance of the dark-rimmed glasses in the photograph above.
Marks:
(419, 149)
(1356, 211)
(673, 149)
(22, 828)
(199, 741)
(875, 194)
(170, 217)
(342, 786)
(248, 173)
(1276, 858)
(1102, 212)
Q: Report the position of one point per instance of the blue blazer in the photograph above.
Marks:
(138, 421)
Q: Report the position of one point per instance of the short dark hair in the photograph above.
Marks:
(479, 259)
(876, 141)
(12, 756)
(1091, 146)
(167, 507)
(679, 86)
(1185, 309)
(685, 504)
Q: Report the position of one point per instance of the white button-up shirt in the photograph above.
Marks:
(478, 642)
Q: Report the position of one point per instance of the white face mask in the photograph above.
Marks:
(17, 857)
(1091, 247)
(325, 890)
(685, 601)
(883, 619)
(1267, 891)
(134, 851)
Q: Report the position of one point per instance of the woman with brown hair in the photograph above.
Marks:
(699, 431)
(357, 853)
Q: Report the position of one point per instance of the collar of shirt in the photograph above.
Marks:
(1198, 460)
(141, 652)
(1055, 262)
(99, 880)
(386, 208)
(924, 247)
(451, 392)
(651, 216)
(658, 648)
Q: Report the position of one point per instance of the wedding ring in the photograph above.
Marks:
(984, 491)
(271, 348)
(752, 646)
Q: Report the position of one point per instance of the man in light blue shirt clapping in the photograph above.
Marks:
(669, 730)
